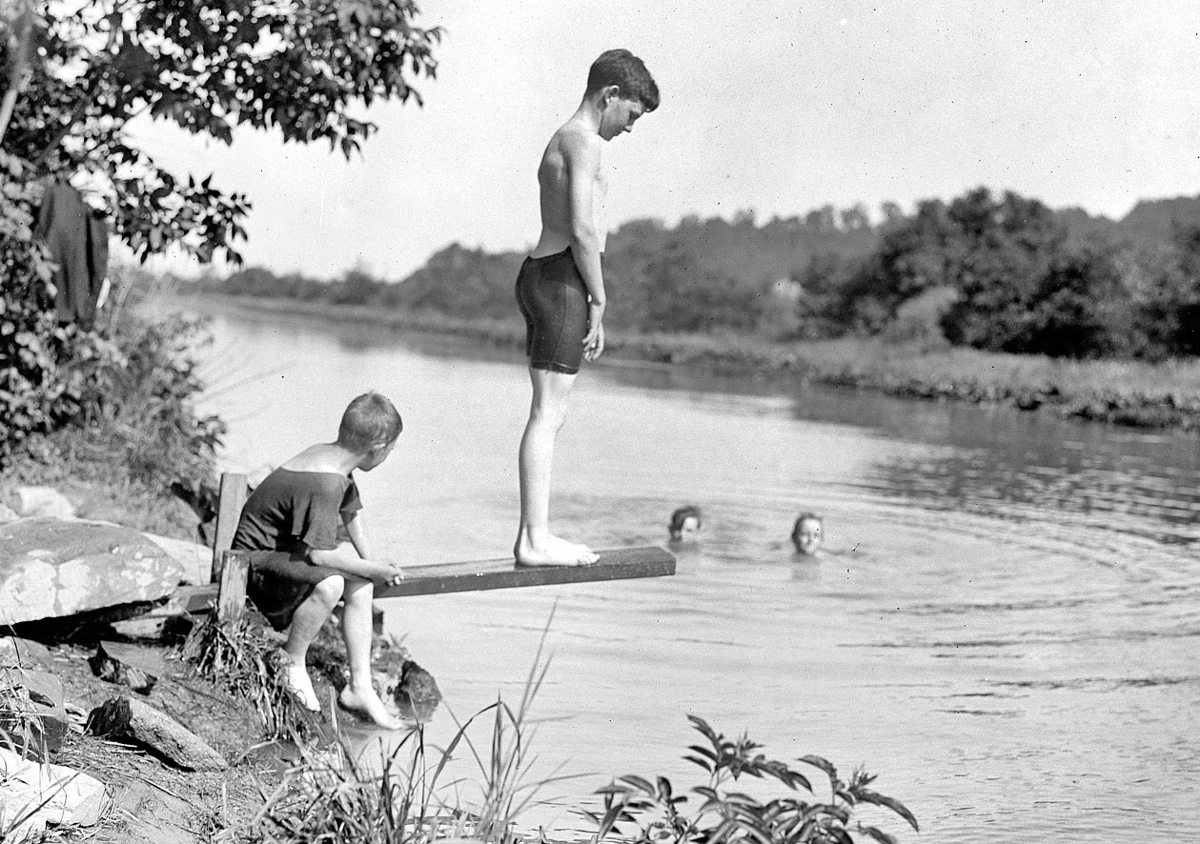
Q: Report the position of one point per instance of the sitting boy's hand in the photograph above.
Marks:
(391, 574)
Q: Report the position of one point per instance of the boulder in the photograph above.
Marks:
(195, 557)
(42, 501)
(134, 720)
(51, 568)
(37, 795)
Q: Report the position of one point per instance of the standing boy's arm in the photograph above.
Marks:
(581, 157)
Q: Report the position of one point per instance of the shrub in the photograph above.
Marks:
(656, 813)
(32, 394)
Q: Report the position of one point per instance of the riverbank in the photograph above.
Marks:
(1129, 393)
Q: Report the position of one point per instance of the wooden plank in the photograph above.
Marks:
(614, 564)
(229, 510)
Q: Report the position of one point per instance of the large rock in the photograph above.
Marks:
(127, 718)
(195, 557)
(34, 795)
(51, 568)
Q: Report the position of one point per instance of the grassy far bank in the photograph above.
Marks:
(1134, 393)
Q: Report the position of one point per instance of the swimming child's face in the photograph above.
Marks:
(688, 530)
(808, 537)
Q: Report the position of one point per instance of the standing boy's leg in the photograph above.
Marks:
(548, 410)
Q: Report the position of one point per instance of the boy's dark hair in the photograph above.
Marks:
(680, 516)
(368, 421)
(801, 519)
(625, 70)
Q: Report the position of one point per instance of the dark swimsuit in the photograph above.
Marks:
(554, 301)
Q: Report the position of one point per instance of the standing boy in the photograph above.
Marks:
(299, 570)
(560, 288)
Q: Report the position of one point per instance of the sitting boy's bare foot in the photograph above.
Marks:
(295, 676)
(366, 703)
(554, 551)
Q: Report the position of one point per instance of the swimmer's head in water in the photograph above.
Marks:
(685, 523)
(807, 534)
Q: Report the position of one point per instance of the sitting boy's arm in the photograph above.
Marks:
(357, 532)
(346, 559)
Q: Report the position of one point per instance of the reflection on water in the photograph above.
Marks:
(1004, 623)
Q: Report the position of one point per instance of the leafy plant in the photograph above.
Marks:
(657, 816)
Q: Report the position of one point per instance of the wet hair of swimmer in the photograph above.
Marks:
(679, 521)
(808, 540)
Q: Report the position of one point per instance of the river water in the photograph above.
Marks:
(1005, 624)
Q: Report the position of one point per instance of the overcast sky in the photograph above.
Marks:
(778, 106)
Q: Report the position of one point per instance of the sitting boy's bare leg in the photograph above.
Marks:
(306, 624)
(359, 695)
(535, 545)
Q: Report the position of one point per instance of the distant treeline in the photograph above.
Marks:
(1002, 273)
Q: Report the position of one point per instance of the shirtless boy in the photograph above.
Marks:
(300, 571)
(560, 288)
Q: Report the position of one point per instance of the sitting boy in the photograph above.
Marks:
(299, 570)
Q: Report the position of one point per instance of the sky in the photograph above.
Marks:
(775, 106)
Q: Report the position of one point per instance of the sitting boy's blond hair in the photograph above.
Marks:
(369, 420)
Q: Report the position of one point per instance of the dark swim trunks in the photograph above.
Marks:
(554, 301)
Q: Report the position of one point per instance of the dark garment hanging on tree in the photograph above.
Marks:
(77, 238)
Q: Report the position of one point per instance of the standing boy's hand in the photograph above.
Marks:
(593, 343)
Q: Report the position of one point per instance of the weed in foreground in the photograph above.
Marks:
(655, 814)
(331, 795)
(247, 663)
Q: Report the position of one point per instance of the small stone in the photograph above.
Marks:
(136, 720)
(38, 794)
(126, 665)
(33, 718)
(42, 501)
(416, 694)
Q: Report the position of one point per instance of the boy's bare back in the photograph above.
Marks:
(571, 183)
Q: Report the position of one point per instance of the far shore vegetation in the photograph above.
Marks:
(983, 298)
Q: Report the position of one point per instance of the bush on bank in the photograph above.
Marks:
(114, 402)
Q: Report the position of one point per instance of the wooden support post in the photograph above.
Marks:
(231, 599)
(229, 510)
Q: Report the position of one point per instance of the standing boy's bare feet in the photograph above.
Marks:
(365, 703)
(552, 551)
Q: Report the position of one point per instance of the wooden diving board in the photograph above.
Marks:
(614, 564)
